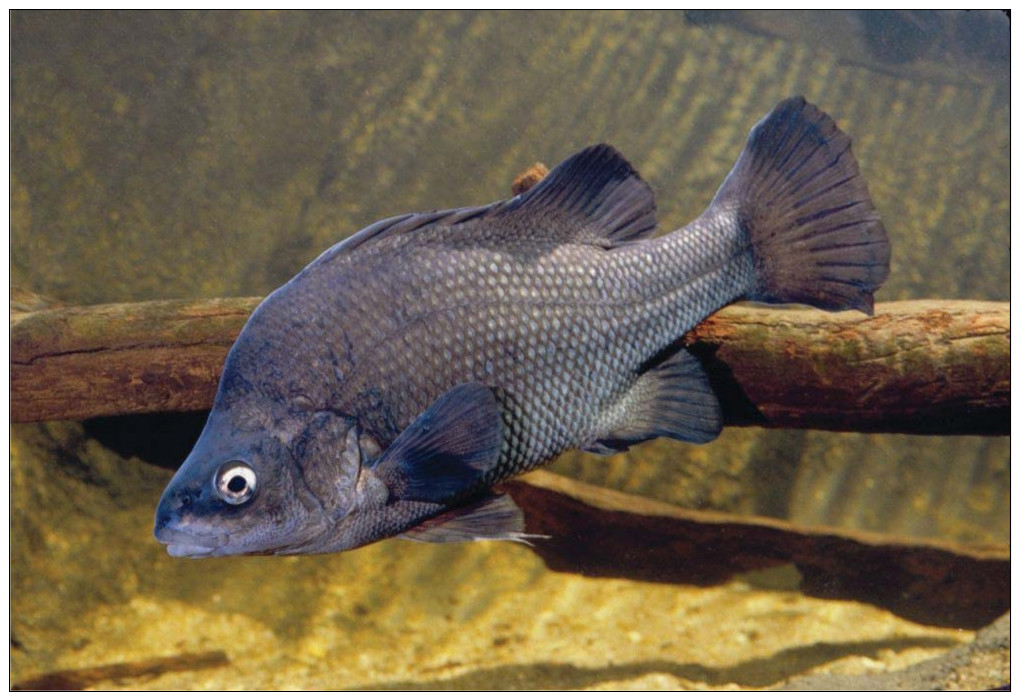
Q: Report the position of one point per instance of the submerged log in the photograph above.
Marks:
(81, 362)
(600, 532)
(939, 367)
(926, 366)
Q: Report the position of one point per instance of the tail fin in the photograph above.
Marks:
(815, 236)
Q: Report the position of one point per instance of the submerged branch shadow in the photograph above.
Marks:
(759, 672)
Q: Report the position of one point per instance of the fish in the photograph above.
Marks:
(389, 386)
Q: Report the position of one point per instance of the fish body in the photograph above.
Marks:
(384, 389)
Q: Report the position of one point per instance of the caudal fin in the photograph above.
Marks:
(815, 235)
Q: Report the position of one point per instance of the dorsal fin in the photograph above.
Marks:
(594, 196)
(596, 192)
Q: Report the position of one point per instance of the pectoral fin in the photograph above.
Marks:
(447, 451)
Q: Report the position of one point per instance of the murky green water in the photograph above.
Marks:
(159, 155)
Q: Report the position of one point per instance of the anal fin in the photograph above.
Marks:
(671, 399)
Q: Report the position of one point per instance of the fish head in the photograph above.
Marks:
(279, 489)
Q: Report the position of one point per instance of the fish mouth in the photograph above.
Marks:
(183, 544)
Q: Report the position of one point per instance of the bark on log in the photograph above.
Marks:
(605, 533)
(937, 367)
(102, 360)
(928, 367)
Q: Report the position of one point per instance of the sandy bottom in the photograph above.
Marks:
(90, 587)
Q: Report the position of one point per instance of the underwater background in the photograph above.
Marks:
(183, 155)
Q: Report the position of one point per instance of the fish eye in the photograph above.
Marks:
(235, 482)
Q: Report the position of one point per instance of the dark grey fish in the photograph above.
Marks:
(384, 389)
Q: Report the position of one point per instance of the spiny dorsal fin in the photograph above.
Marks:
(594, 196)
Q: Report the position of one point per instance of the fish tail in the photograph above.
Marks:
(797, 193)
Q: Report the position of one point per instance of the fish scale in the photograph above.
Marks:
(386, 387)
(605, 312)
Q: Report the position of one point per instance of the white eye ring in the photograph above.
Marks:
(235, 482)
